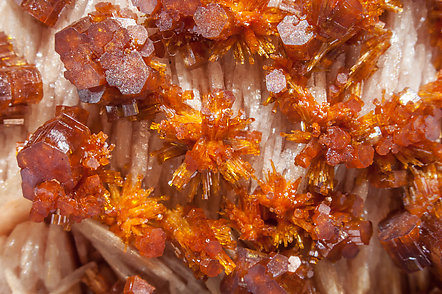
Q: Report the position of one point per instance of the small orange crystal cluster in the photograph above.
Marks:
(20, 84)
(213, 139)
(276, 214)
(46, 11)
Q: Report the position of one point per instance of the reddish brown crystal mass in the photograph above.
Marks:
(257, 272)
(20, 83)
(58, 167)
(108, 57)
(46, 11)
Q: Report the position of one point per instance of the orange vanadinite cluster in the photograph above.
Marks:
(409, 155)
(130, 215)
(46, 11)
(214, 140)
(62, 173)
(247, 27)
(277, 214)
(20, 84)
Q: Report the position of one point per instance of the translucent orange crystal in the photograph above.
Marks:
(198, 244)
(400, 236)
(20, 84)
(257, 272)
(45, 11)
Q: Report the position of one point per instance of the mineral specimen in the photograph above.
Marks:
(20, 84)
(59, 165)
(45, 11)
(113, 60)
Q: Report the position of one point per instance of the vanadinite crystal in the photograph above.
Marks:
(198, 241)
(59, 167)
(46, 11)
(268, 273)
(20, 84)
(129, 214)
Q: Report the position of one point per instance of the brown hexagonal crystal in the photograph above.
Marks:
(298, 37)
(401, 237)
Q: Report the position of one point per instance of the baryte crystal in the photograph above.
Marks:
(45, 11)
(136, 285)
(20, 83)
